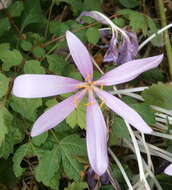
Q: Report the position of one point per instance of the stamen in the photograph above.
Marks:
(102, 103)
(89, 104)
(102, 86)
(88, 78)
(76, 101)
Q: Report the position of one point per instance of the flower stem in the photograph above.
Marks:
(166, 36)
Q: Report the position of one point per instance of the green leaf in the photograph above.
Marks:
(159, 95)
(119, 128)
(5, 122)
(56, 63)
(26, 107)
(78, 116)
(21, 152)
(4, 26)
(40, 139)
(10, 58)
(38, 52)
(137, 20)
(71, 146)
(119, 22)
(93, 35)
(145, 112)
(32, 13)
(26, 45)
(4, 82)
(33, 67)
(92, 5)
(129, 3)
(58, 28)
(49, 164)
(16, 9)
(76, 186)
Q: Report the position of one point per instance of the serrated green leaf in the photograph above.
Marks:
(21, 152)
(26, 45)
(119, 128)
(4, 82)
(33, 67)
(40, 139)
(129, 3)
(76, 186)
(32, 13)
(10, 58)
(4, 26)
(38, 52)
(56, 63)
(119, 22)
(145, 112)
(16, 9)
(49, 164)
(5, 122)
(93, 35)
(137, 20)
(159, 95)
(26, 107)
(58, 28)
(92, 5)
(71, 146)
(78, 116)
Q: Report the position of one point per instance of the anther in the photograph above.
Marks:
(88, 77)
(102, 103)
(102, 86)
(89, 104)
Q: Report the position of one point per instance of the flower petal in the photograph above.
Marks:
(38, 85)
(80, 55)
(95, 15)
(96, 137)
(129, 70)
(168, 170)
(56, 114)
(123, 110)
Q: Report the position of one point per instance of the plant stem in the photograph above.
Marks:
(166, 36)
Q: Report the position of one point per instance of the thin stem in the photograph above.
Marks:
(138, 155)
(166, 36)
(153, 36)
(121, 168)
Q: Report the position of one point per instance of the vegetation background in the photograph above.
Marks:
(32, 41)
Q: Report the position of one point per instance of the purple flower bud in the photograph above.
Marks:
(104, 179)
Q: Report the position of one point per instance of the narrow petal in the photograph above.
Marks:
(80, 55)
(123, 110)
(96, 137)
(37, 85)
(95, 15)
(56, 114)
(168, 170)
(129, 70)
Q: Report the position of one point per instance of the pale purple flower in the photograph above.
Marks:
(168, 170)
(40, 85)
(120, 50)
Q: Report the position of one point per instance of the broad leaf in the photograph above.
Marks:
(4, 82)
(33, 67)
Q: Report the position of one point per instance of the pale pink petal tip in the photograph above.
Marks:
(80, 55)
(168, 170)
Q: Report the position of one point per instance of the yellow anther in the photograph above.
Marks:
(88, 78)
(89, 104)
(102, 103)
(102, 86)
(76, 101)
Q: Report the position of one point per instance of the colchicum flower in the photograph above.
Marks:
(41, 85)
(120, 50)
